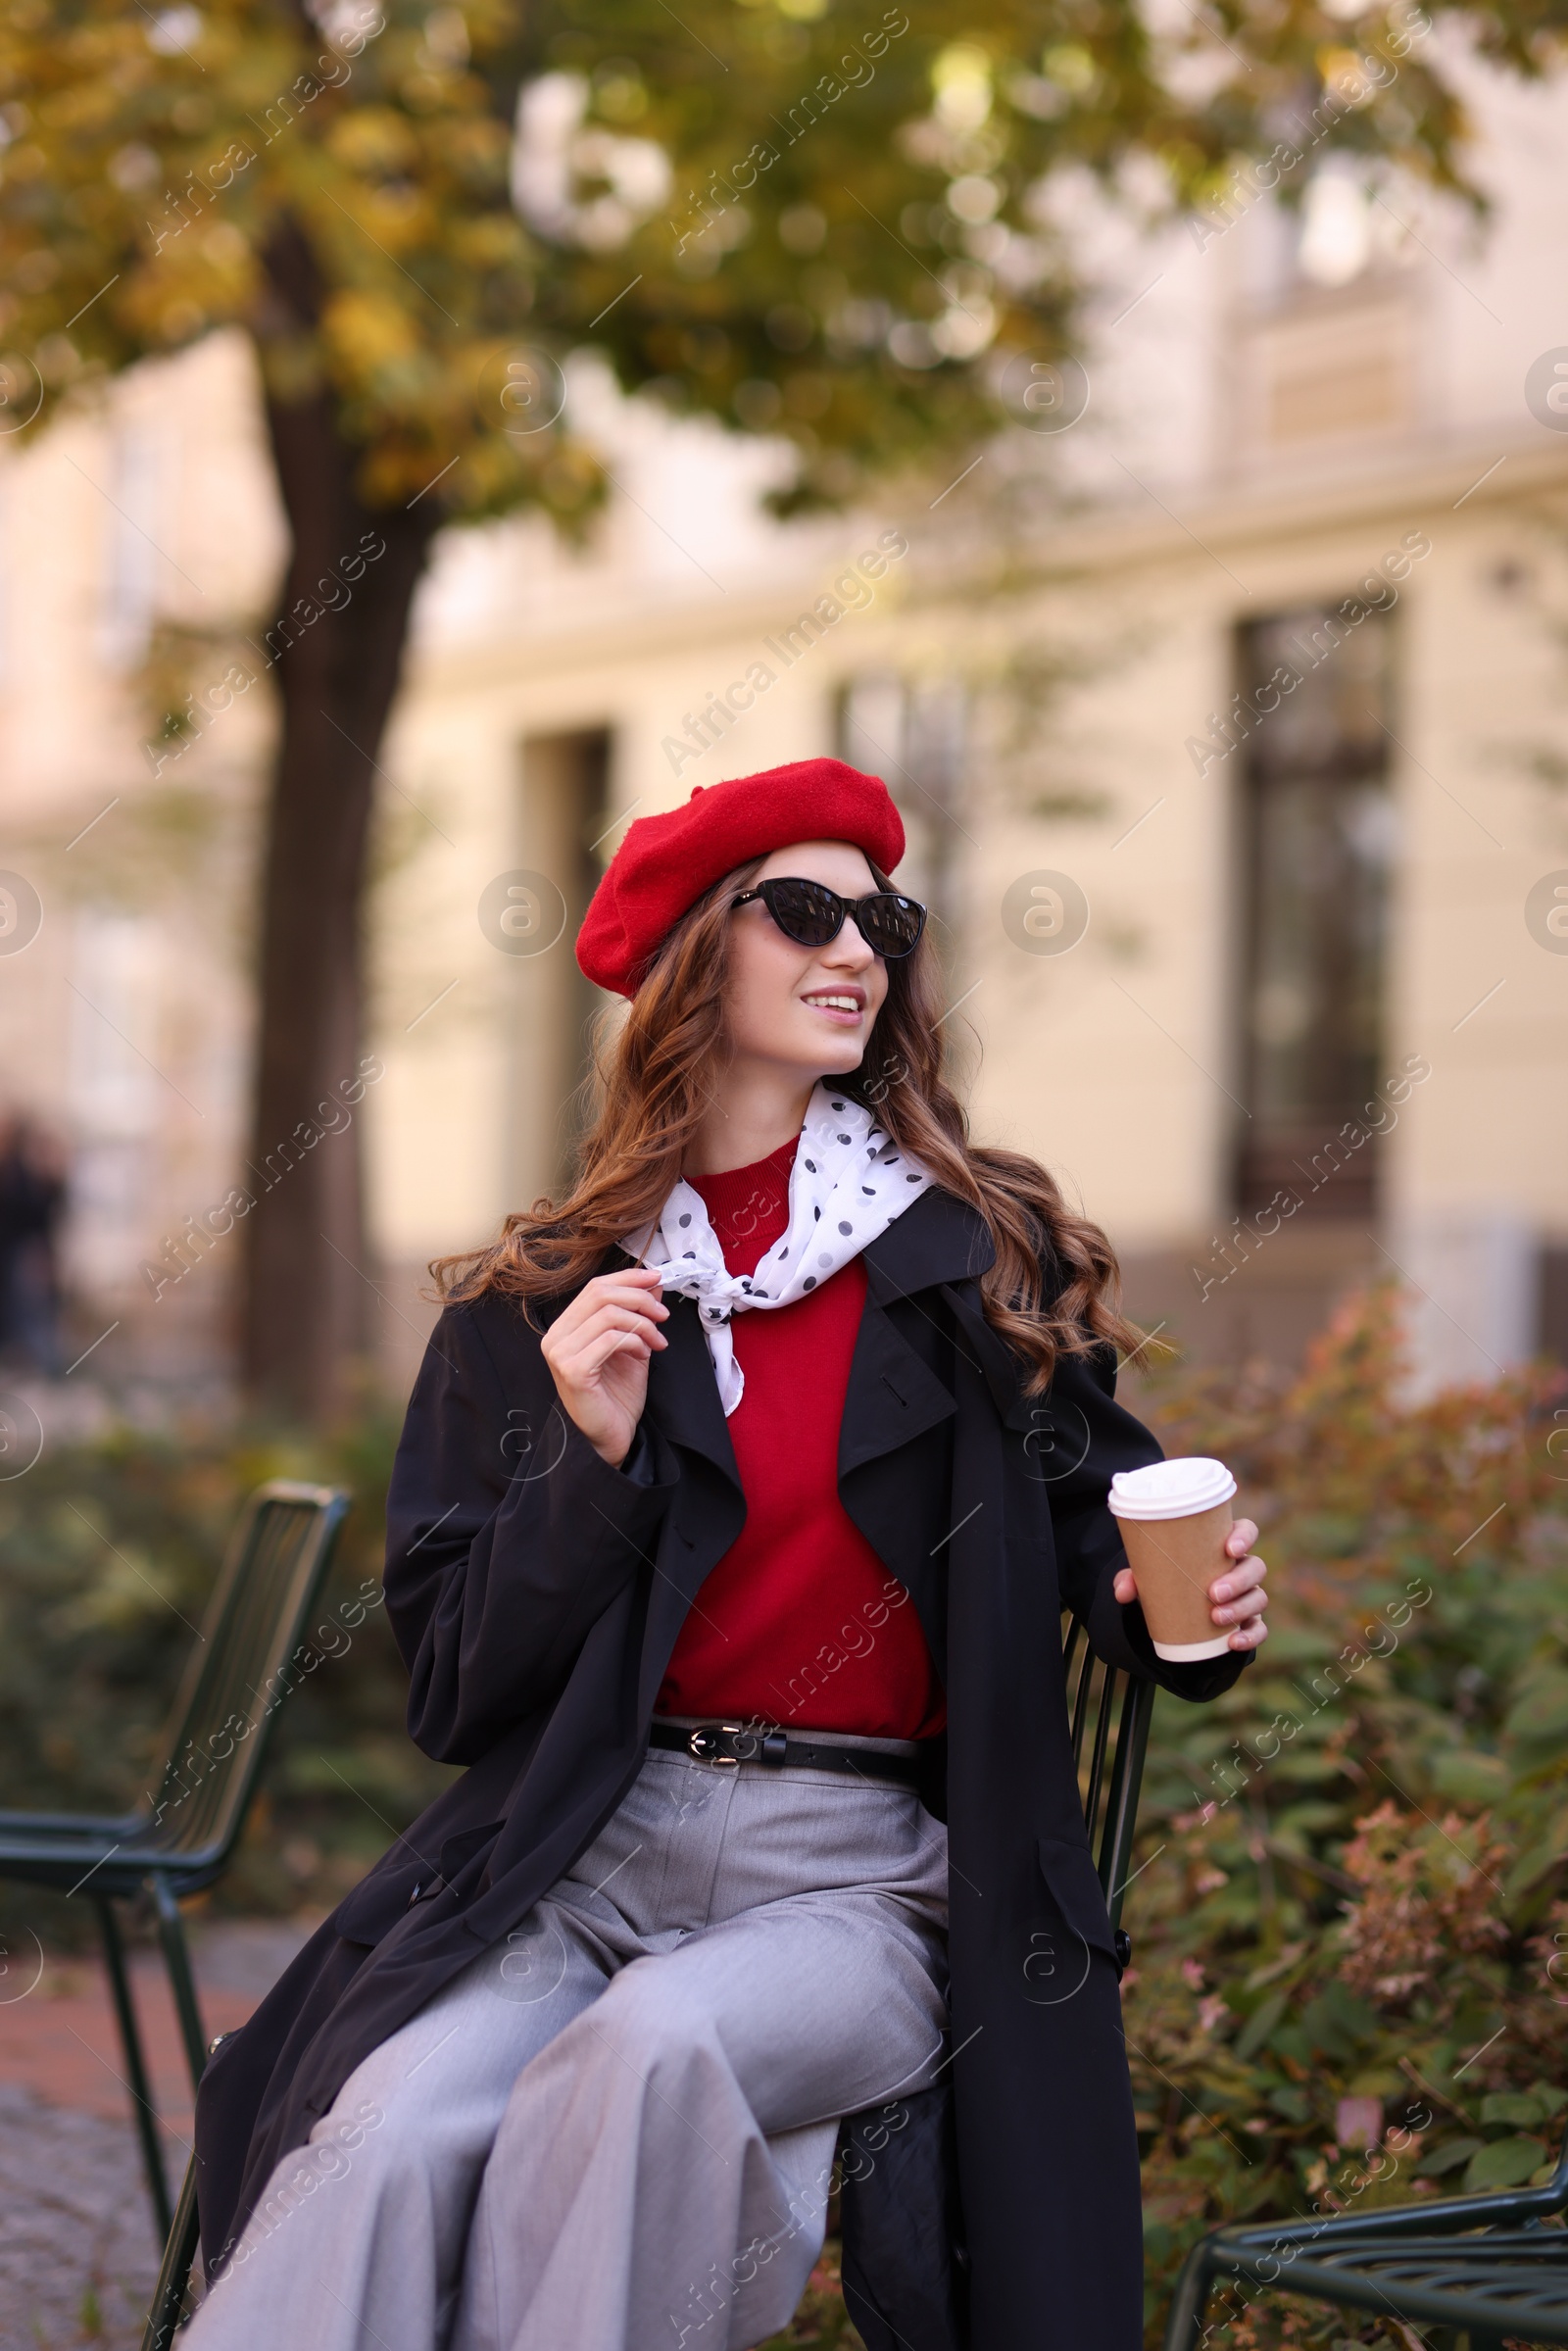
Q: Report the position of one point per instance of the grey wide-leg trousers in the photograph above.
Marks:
(615, 2130)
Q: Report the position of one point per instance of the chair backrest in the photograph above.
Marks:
(1110, 1712)
(240, 1669)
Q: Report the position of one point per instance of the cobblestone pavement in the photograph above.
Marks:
(79, 2255)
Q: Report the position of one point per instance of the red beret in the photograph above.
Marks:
(666, 862)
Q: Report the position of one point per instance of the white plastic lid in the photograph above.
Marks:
(1171, 1488)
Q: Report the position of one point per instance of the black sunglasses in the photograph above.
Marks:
(812, 914)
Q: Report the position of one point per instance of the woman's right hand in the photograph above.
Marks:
(598, 1354)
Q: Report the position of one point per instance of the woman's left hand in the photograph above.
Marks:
(1237, 1596)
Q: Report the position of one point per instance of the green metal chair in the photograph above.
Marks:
(1480, 2270)
(1111, 1717)
(167, 2309)
(181, 1841)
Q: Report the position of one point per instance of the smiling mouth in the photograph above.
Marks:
(844, 1002)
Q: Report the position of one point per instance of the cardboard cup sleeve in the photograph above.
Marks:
(1174, 1518)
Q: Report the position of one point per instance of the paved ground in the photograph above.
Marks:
(77, 2249)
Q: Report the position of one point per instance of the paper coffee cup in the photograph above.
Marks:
(1174, 1518)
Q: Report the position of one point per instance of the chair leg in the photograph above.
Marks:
(180, 2255)
(176, 1957)
(135, 2067)
(1184, 2327)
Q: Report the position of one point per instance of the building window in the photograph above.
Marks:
(140, 497)
(1318, 826)
(914, 735)
(566, 834)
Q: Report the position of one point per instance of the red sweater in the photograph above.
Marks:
(800, 1623)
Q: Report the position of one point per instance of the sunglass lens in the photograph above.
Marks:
(890, 924)
(804, 910)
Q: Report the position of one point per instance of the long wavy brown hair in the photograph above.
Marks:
(1054, 1286)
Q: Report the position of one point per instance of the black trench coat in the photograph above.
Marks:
(536, 1595)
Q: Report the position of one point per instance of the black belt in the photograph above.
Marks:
(733, 1742)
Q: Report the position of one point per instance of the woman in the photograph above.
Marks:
(736, 1506)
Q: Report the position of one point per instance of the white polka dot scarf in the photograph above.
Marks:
(848, 1183)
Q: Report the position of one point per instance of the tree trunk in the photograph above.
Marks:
(337, 649)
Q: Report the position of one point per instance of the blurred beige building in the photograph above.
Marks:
(1229, 718)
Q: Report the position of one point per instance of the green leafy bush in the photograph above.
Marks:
(1350, 1927)
(108, 1553)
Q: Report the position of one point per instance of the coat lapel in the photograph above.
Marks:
(991, 1358)
(683, 1405)
(941, 1238)
(894, 1487)
(683, 1400)
(894, 1397)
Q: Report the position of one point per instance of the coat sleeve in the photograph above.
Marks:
(1090, 1437)
(507, 1536)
